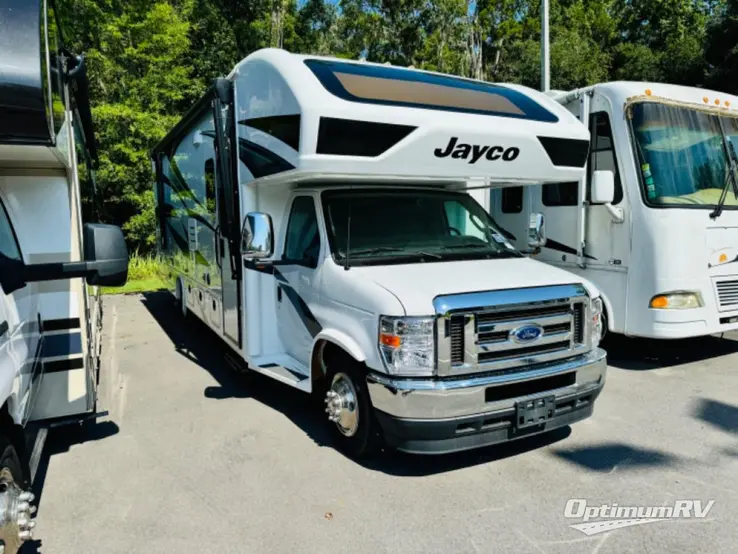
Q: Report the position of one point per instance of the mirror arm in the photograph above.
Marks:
(56, 271)
(616, 213)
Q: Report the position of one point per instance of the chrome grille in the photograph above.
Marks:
(727, 292)
(475, 330)
(456, 331)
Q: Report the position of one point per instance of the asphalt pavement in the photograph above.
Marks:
(196, 459)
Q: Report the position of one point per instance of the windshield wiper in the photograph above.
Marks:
(394, 249)
(730, 177)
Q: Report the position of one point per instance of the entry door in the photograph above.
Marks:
(510, 209)
(19, 338)
(228, 216)
(296, 280)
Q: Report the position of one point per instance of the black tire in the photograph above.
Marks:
(10, 460)
(366, 439)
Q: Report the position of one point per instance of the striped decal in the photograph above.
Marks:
(62, 349)
(61, 324)
(63, 365)
(66, 344)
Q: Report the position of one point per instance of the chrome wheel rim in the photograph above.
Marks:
(16, 511)
(342, 406)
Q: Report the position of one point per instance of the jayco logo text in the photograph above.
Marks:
(474, 152)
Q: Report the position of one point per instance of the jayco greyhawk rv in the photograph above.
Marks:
(654, 220)
(314, 215)
(50, 322)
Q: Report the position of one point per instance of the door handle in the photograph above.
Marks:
(3, 328)
(279, 293)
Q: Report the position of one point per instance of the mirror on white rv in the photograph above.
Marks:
(536, 231)
(105, 262)
(602, 191)
(257, 238)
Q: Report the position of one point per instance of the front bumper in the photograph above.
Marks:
(434, 416)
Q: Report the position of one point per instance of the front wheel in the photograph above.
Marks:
(350, 413)
(16, 525)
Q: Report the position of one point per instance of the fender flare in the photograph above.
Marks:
(340, 339)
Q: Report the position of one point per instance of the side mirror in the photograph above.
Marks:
(105, 263)
(257, 238)
(106, 255)
(602, 188)
(536, 231)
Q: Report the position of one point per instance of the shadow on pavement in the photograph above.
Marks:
(643, 354)
(605, 458)
(198, 343)
(400, 464)
(718, 414)
(59, 440)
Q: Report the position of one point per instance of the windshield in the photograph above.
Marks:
(405, 226)
(681, 155)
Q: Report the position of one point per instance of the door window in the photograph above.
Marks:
(302, 244)
(8, 243)
(560, 194)
(602, 152)
(512, 200)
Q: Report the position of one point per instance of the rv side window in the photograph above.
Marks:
(602, 152)
(560, 194)
(8, 243)
(512, 200)
(302, 243)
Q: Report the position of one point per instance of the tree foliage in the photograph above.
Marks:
(149, 60)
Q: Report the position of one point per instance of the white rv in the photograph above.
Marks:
(314, 215)
(654, 220)
(49, 319)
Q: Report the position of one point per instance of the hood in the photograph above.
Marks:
(416, 285)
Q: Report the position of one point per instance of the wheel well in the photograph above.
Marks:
(16, 436)
(324, 354)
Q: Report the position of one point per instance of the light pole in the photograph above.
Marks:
(545, 65)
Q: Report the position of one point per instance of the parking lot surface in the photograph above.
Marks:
(194, 458)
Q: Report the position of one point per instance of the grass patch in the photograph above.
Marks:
(145, 273)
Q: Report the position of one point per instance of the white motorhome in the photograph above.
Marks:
(49, 319)
(314, 214)
(654, 220)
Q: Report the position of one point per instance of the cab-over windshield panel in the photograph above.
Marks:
(385, 226)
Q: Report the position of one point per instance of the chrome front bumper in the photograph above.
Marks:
(434, 416)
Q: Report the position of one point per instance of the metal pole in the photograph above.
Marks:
(545, 66)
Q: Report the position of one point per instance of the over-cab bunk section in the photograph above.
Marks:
(327, 118)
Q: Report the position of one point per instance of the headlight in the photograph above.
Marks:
(676, 301)
(406, 344)
(596, 327)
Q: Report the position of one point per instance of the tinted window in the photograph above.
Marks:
(302, 243)
(560, 194)
(8, 243)
(602, 153)
(512, 200)
(395, 86)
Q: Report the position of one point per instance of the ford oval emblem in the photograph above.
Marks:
(526, 333)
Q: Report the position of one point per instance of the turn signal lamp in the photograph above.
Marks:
(705, 99)
(648, 92)
(723, 258)
(676, 301)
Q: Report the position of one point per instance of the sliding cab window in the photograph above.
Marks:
(302, 243)
(602, 152)
(8, 243)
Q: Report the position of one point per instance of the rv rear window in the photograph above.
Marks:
(393, 86)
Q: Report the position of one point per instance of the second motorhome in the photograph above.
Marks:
(654, 220)
(314, 214)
